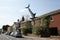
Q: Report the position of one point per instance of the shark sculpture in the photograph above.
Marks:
(32, 14)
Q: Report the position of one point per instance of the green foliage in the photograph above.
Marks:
(5, 27)
(45, 21)
(48, 18)
(28, 29)
(44, 27)
(36, 30)
(45, 32)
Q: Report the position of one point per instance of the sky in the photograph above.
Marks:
(11, 10)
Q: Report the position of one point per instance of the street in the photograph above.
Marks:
(7, 37)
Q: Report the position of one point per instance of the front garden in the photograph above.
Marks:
(42, 30)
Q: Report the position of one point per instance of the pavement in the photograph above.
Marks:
(7, 37)
(44, 38)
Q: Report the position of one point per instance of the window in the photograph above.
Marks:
(52, 19)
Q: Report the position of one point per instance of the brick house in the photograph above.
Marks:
(55, 20)
(10, 29)
(37, 21)
(23, 23)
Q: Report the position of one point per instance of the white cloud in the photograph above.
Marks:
(7, 0)
(5, 19)
(23, 10)
(4, 8)
(7, 8)
(6, 14)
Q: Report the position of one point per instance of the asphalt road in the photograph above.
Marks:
(7, 37)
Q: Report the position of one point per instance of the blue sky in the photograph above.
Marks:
(11, 10)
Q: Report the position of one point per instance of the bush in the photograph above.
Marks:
(26, 30)
(45, 32)
(36, 30)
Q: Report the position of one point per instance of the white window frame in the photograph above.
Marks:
(52, 18)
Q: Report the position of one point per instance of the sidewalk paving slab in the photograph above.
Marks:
(44, 38)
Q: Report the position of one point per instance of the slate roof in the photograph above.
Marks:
(52, 13)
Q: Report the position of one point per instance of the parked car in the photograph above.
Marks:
(6, 33)
(12, 34)
(16, 34)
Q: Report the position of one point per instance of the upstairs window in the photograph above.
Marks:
(52, 19)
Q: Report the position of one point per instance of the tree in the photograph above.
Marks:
(5, 28)
(28, 28)
(23, 18)
(45, 21)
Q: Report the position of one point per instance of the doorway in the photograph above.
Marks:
(54, 31)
